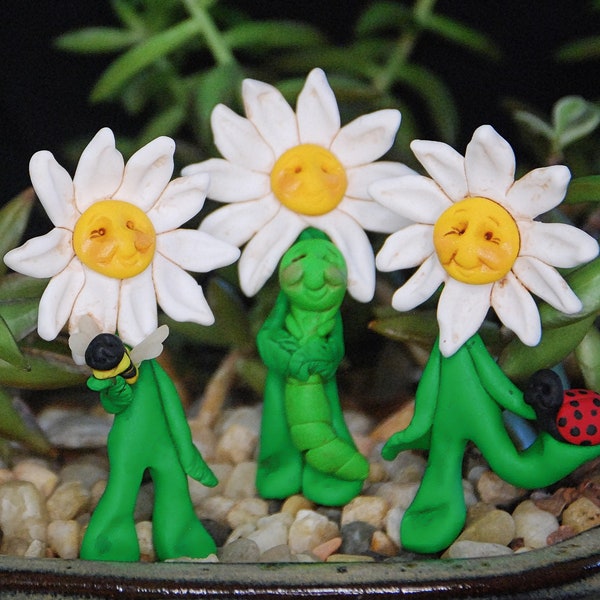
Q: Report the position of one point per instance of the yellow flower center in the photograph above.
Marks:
(476, 240)
(309, 180)
(114, 238)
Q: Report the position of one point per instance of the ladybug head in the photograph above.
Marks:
(544, 392)
(104, 352)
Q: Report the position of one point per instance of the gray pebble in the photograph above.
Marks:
(356, 537)
(241, 550)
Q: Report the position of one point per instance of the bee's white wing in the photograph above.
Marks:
(150, 347)
(80, 339)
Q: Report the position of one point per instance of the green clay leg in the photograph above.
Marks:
(280, 463)
(111, 532)
(176, 530)
(437, 514)
(310, 419)
(545, 462)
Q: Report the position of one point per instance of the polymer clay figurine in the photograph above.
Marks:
(305, 445)
(571, 416)
(115, 253)
(150, 432)
(282, 173)
(474, 233)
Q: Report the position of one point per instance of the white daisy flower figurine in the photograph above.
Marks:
(286, 171)
(115, 249)
(474, 231)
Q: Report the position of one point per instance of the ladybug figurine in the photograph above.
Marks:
(571, 416)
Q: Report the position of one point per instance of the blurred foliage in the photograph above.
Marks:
(174, 60)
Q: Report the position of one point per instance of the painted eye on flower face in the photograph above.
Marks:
(477, 241)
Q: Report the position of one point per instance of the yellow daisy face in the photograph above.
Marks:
(308, 179)
(114, 238)
(476, 240)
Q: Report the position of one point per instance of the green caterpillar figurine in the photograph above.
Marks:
(305, 445)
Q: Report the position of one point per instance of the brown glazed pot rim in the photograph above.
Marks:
(570, 569)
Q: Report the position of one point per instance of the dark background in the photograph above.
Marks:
(43, 92)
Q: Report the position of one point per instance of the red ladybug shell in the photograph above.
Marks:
(578, 419)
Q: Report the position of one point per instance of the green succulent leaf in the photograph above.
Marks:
(166, 122)
(583, 189)
(97, 40)
(383, 16)
(14, 216)
(464, 36)
(14, 426)
(436, 96)
(585, 282)
(9, 349)
(19, 300)
(574, 118)
(588, 359)
(141, 56)
(519, 361)
(419, 327)
(534, 124)
(587, 48)
(259, 36)
(48, 369)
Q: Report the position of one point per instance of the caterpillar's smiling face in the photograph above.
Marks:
(313, 275)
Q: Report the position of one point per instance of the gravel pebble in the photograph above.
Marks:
(582, 515)
(356, 537)
(495, 527)
(64, 538)
(68, 501)
(494, 490)
(469, 549)
(38, 473)
(310, 529)
(533, 524)
(366, 509)
(241, 550)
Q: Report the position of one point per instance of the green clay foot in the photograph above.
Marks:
(327, 490)
(280, 475)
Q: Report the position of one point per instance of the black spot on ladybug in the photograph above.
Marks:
(575, 431)
(574, 403)
(596, 401)
(562, 422)
(591, 430)
(578, 415)
(594, 413)
(585, 443)
(570, 393)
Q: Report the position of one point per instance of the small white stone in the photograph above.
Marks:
(247, 510)
(494, 490)
(37, 473)
(143, 530)
(215, 508)
(392, 524)
(68, 501)
(23, 513)
(242, 481)
(237, 444)
(469, 549)
(581, 515)
(368, 509)
(310, 529)
(243, 531)
(407, 467)
(271, 531)
(396, 494)
(533, 524)
(37, 549)
(64, 538)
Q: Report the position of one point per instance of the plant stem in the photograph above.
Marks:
(384, 79)
(219, 49)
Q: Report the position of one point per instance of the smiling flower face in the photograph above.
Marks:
(115, 250)
(286, 171)
(474, 231)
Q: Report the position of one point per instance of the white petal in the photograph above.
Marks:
(195, 250)
(372, 216)
(445, 165)
(239, 141)
(178, 293)
(366, 138)
(421, 286)
(147, 173)
(262, 253)
(271, 114)
(182, 200)
(57, 300)
(362, 177)
(461, 310)
(54, 188)
(415, 197)
(317, 111)
(517, 309)
(538, 191)
(557, 244)
(406, 248)
(546, 283)
(42, 256)
(230, 182)
(137, 308)
(489, 164)
(99, 171)
(354, 244)
(237, 223)
(99, 298)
